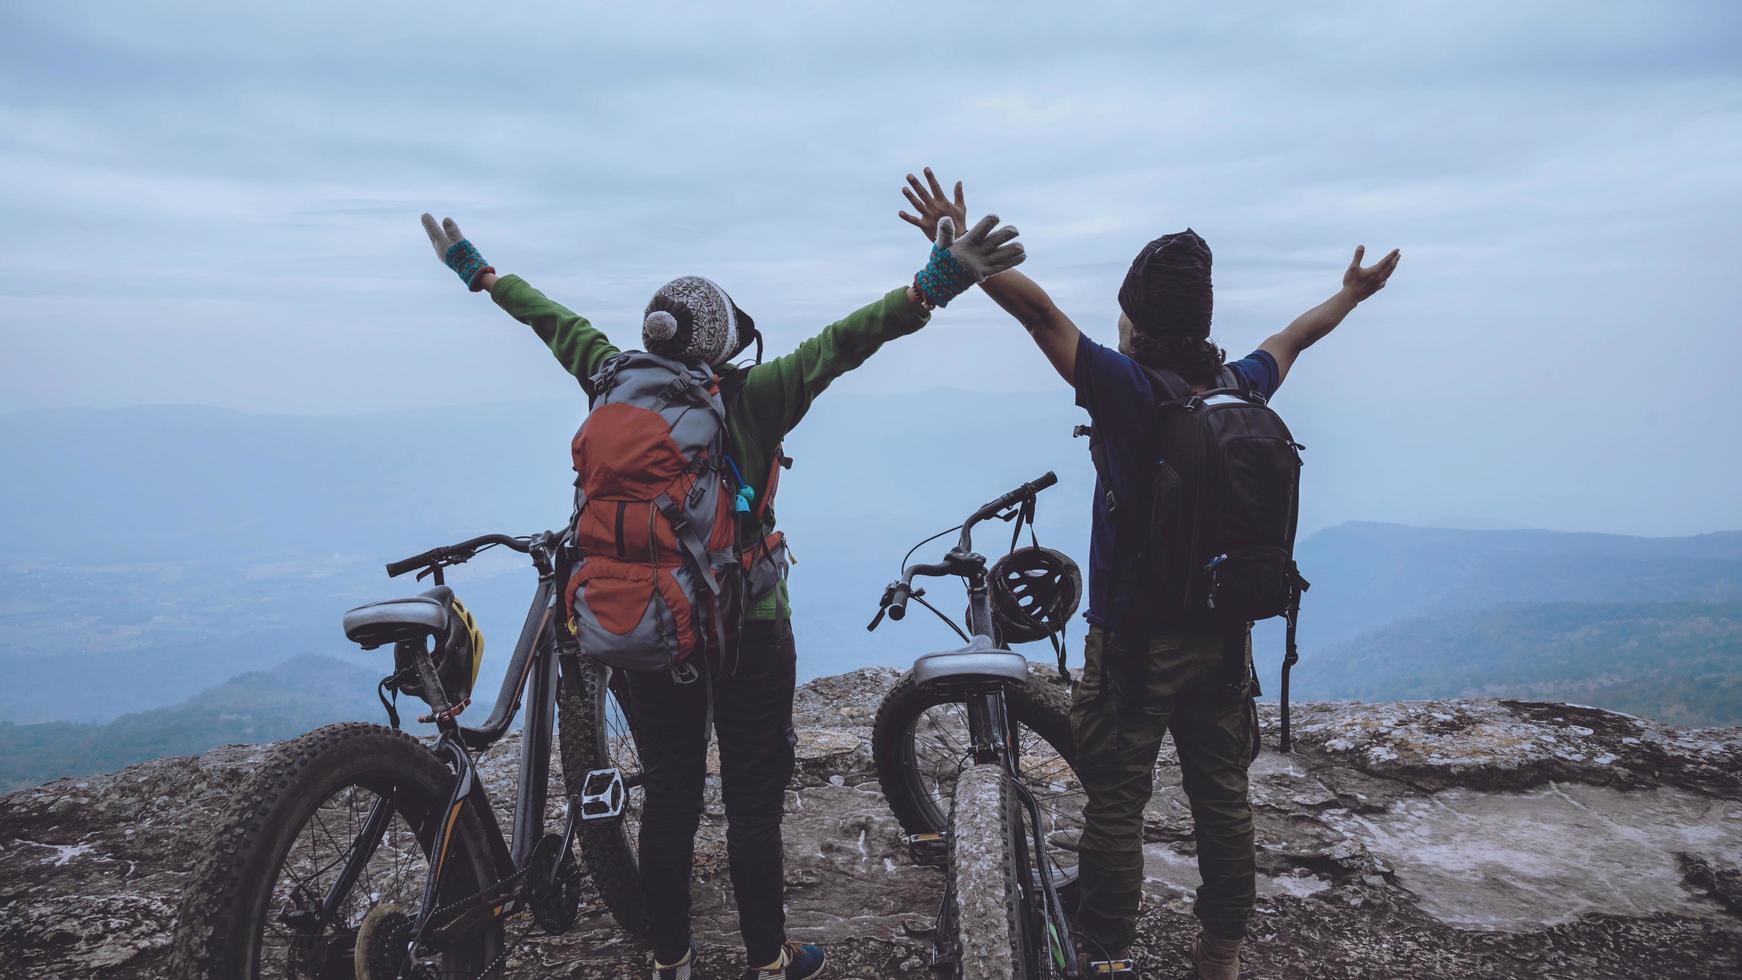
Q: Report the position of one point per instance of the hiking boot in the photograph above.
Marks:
(680, 970)
(798, 961)
(1217, 958)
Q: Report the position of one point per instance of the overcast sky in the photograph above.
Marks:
(216, 205)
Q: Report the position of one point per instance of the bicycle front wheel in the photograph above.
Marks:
(986, 870)
(920, 745)
(269, 898)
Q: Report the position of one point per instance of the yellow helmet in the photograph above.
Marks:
(458, 655)
(463, 622)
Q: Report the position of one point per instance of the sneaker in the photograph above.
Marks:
(798, 961)
(676, 971)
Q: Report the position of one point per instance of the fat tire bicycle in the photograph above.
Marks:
(359, 851)
(973, 752)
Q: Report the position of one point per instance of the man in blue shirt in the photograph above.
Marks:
(1123, 707)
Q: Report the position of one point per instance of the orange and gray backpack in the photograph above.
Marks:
(659, 578)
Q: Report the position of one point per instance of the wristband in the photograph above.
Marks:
(943, 278)
(462, 257)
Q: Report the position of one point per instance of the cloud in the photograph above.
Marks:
(217, 202)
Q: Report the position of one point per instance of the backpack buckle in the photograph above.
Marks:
(684, 673)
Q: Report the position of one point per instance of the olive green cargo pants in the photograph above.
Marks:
(1183, 690)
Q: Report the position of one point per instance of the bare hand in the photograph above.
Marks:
(932, 204)
(1360, 283)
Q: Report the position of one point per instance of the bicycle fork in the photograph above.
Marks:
(1058, 930)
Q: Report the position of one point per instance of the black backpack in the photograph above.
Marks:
(1218, 520)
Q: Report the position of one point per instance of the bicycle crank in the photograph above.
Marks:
(554, 895)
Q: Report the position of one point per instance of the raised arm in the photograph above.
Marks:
(1018, 295)
(782, 390)
(1310, 327)
(577, 345)
(1053, 332)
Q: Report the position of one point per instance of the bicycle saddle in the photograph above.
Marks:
(974, 665)
(397, 620)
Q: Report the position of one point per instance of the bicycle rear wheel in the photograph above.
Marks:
(251, 908)
(594, 713)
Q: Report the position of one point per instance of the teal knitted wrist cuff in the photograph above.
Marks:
(462, 257)
(943, 278)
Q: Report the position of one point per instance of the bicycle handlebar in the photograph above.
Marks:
(454, 554)
(1025, 492)
(896, 595)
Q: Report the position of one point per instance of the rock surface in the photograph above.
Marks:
(1443, 839)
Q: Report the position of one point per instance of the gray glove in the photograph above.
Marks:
(456, 252)
(957, 264)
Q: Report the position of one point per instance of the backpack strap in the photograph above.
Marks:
(1098, 455)
(732, 380)
(1291, 654)
(692, 546)
(778, 462)
(602, 379)
(1169, 388)
(684, 386)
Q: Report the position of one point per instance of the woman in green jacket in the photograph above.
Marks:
(752, 705)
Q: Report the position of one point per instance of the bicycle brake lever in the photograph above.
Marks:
(877, 620)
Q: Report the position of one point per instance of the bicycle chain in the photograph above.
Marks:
(507, 947)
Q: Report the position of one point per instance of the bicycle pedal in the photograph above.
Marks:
(1113, 968)
(931, 848)
(603, 795)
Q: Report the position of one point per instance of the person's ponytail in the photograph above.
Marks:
(1196, 359)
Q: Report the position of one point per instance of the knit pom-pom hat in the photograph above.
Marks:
(691, 319)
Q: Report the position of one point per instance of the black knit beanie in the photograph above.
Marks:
(1167, 292)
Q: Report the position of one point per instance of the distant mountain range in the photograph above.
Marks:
(151, 554)
(1365, 575)
(260, 706)
(1679, 662)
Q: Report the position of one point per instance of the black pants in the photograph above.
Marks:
(752, 716)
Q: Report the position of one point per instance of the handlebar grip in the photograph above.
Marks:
(398, 568)
(1046, 479)
(394, 570)
(898, 602)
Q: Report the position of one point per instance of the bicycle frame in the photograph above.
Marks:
(534, 671)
